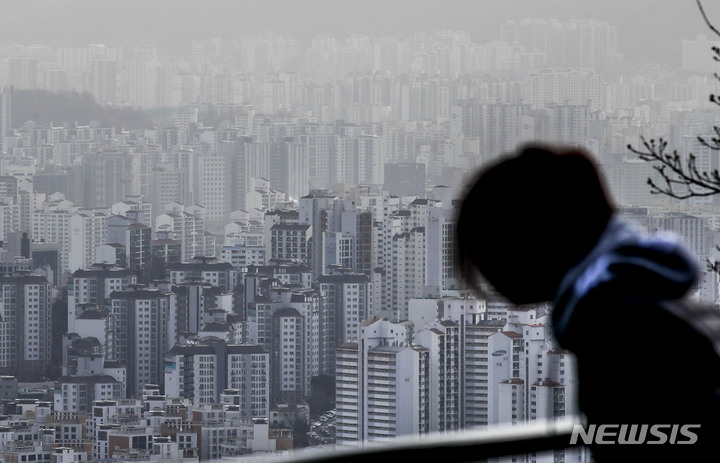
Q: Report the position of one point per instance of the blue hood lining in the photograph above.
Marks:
(623, 251)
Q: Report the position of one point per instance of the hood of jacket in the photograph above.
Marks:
(652, 267)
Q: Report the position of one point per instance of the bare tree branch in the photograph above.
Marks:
(680, 179)
(714, 142)
(707, 21)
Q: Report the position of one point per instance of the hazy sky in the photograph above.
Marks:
(655, 26)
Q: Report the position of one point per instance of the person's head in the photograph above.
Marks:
(529, 218)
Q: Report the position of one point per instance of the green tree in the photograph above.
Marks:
(322, 397)
(300, 429)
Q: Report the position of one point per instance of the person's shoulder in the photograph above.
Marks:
(702, 317)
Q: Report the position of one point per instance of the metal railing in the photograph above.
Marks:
(454, 447)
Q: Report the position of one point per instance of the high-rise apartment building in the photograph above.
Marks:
(23, 73)
(210, 271)
(6, 93)
(140, 335)
(203, 369)
(26, 326)
(313, 212)
(568, 86)
(103, 79)
(187, 228)
(298, 346)
(212, 185)
(88, 230)
(457, 339)
(91, 288)
(167, 184)
(382, 385)
(349, 299)
(320, 141)
(107, 177)
(529, 378)
(134, 237)
(289, 170)
(291, 242)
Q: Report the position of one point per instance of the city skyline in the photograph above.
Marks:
(229, 230)
(651, 28)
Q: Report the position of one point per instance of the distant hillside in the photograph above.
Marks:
(45, 107)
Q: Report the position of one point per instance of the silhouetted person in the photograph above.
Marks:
(539, 227)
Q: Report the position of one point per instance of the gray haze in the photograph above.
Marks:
(648, 28)
(239, 216)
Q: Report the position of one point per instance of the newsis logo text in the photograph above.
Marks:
(634, 434)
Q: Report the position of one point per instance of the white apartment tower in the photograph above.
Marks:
(51, 224)
(441, 270)
(88, 230)
(187, 228)
(382, 385)
(442, 340)
(211, 185)
(297, 345)
(529, 378)
(405, 272)
(201, 370)
(458, 345)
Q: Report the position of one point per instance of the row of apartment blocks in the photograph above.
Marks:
(382, 236)
(183, 332)
(256, 162)
(350, 290)
(153, 428)
(454, 363)
(124, 233)
(325, 234)
(224, 169)
(469, 367)
(226, 70)
(418, 94)
(392, 248)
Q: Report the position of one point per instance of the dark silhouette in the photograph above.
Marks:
(524, 197)
(539, 226)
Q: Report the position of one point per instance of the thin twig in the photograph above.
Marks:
(680, 180)
(707, 21)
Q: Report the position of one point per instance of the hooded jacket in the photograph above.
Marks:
(645, 353)
(630, 264)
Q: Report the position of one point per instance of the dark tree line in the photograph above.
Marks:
(44, 107)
